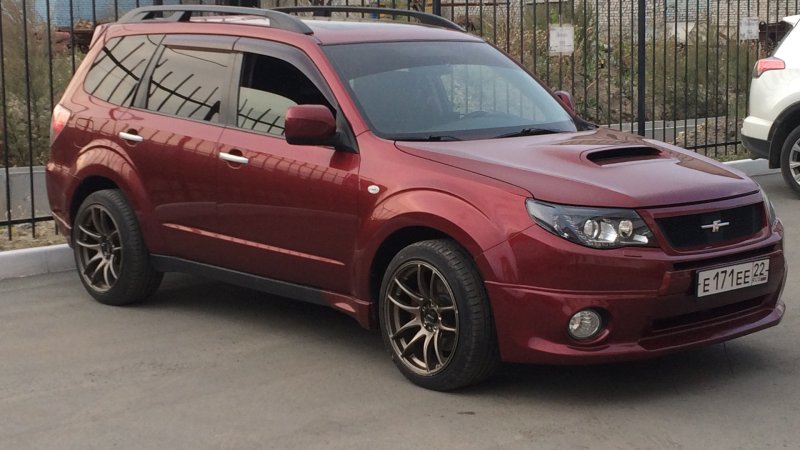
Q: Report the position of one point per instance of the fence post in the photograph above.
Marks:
(641, 66)
(437, 7)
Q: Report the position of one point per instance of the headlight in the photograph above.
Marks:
(771, 216)
(592, 227)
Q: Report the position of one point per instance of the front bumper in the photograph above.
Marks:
(647, 297)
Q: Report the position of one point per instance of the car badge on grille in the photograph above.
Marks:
(715, 225)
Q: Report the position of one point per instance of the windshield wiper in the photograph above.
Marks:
(528, 132)
(431, 138)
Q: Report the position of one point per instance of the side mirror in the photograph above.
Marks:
(310, 125)
(566, 100)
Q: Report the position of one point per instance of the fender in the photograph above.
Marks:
(104, 158)
(466, 223)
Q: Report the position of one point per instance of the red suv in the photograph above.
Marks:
(409, 175)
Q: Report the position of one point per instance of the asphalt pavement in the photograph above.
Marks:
(208, 365)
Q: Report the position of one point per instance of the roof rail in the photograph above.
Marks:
(183, 13)
(423, 17)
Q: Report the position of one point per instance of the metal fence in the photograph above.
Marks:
(674, 70)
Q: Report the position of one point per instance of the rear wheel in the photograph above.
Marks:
(110, 254)
(790, 160)
(435, 317)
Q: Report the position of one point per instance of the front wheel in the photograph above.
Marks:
(790, 160)
(112, 260)
(435, 317)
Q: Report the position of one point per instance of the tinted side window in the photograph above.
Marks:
(118, 68)
(189, 83)
(269, 86)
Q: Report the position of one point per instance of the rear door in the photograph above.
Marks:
(102, 107)
(289, 210)
(172, 133)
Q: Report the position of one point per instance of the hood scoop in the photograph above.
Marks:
(623, 155)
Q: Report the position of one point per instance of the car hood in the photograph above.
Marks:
(601, 167)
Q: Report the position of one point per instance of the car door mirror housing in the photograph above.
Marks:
(566, 100)
(310, 125)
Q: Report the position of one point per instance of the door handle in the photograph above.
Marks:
(130, 137)
(233, 158)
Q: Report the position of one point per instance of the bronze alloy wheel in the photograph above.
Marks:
(110, 254)
(100, 253)
(421, 318)
(435, 317)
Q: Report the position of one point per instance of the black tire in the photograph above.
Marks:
(790, 154)
(112, 260)
(435, 317)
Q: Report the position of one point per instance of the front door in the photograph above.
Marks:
(289, 210)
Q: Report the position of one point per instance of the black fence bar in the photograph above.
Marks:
(29, 113)
(50, 86)
(676, 70)
(71, 32)
(641, 63)
(3, 98)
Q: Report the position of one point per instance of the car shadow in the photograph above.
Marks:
(217, 304)
(697, 370)
(672, 375)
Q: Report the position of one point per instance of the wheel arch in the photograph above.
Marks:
(413, 216)
(392, 245)
(399, 239)
(105, 168)
(787, 121)
(85, 188)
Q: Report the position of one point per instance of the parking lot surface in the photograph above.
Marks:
(208, 365)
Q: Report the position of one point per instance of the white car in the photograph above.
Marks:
(772, 128)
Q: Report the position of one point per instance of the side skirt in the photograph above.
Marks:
(353, 307)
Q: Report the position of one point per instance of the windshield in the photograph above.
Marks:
(445, 91)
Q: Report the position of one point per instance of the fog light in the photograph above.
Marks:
(585, 324)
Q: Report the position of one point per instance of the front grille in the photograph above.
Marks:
(687, 231)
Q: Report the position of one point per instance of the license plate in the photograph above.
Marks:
(730, 278)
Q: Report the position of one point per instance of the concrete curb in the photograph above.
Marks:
(58, 258)
(36, 261)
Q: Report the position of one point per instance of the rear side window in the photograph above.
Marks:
(116, 72)
(189, 83)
